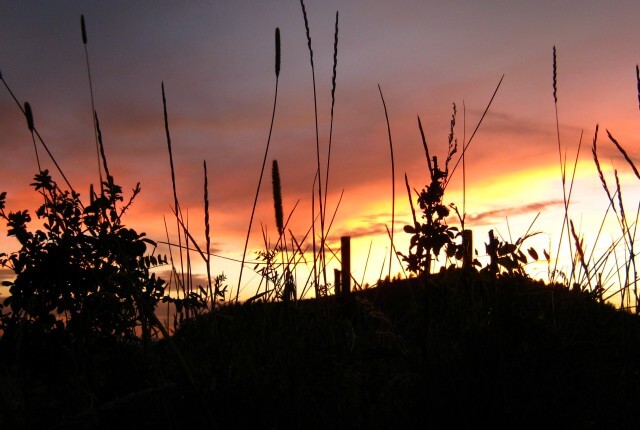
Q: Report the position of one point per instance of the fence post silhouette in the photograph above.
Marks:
(493, 253)
(336, 282)
(467, 246)
(345, 275)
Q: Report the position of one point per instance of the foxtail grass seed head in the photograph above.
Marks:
(29, 114)
(335, 61)
(277, 52)
(623, 217)
(207, 227)
(84, 30)
(624, 154)
(555, 75)
(594, 152)
(101, 145)
(277, 196)
(306, 26)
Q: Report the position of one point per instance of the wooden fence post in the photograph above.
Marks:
(345, 247)
(467, 246)
(493, 253)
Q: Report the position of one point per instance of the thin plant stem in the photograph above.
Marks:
(366, 262)
(319, 170)
(207, 234)
(333, 100)
(464, 168)
(475, 130)
(393, 181)
(313, 238)
(176, 207)
(172, 265)
(396, 253)
(563, 169)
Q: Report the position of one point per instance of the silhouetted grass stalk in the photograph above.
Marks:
(580, 255)
(393, 182)
(310, 230)
(571, 183)
(264, 162)
(93, 107)
(207, 235)
(169, 244)
(281, 244)
(563, 161)
(320, 256)
(464, 167)
(101, 147)
(624, 154)
(366, 262)
(627, 236)
(316, 284)
(29, 115)
(176, 207)
(394, 252)
(629, 239)
(188, 276)
(333, 100)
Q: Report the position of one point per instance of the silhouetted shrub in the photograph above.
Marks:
(84, 271)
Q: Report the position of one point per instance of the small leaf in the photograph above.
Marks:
(532, 252)
(451, 251)
(507, 248)
(521, 257)
(409, 229)
(507, 263)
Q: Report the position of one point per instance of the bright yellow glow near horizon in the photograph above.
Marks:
(507, 203)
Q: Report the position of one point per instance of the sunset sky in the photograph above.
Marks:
(216, 59)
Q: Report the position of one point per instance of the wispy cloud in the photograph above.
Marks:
(497, 215)
(373, 229)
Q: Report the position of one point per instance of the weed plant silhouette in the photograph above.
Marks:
(433, 235)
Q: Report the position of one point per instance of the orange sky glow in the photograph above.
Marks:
(216, 60)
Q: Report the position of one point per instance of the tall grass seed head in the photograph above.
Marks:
(84, 30)
(637, 80)
(277, 196)
(29, 114)
(277, 52)
(555, 76)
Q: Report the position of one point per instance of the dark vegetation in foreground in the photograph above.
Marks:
(80, 346)
(453, 348)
